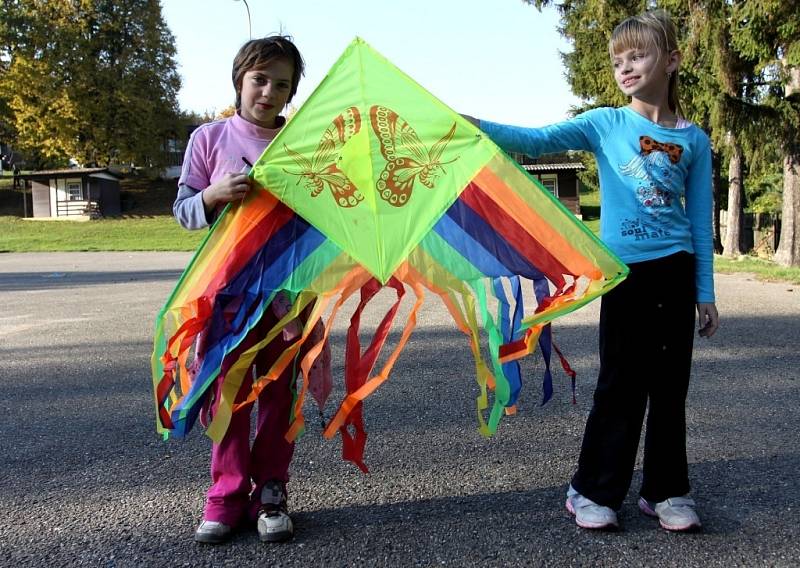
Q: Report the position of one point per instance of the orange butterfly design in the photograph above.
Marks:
(407, 158)
(321, 170)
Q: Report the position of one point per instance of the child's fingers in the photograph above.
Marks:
(238, 184)
(237, 179)
(231, 188)
(707, 331)
(709, 319)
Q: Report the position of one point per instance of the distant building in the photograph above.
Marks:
(174, 150)
(73, 193)
(559, 175)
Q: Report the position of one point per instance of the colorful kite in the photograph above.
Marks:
(374, 183)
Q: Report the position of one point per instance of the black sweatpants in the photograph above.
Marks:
(646, 338)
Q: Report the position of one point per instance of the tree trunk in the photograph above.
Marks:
(733, 233)
(788, 253)
(716, 173)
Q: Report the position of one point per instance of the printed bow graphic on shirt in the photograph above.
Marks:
(649, 145)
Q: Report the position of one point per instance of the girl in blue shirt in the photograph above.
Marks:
(655, 184)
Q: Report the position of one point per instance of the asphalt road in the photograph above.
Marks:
(84, 479)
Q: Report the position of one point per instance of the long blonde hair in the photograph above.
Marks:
(650, 29)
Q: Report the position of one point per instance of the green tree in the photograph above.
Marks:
(765, 177)
(721, 94)
(587, 25)
(769, 31)
(94, 80)
(32, 88)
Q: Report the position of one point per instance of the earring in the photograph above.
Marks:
(669, 75)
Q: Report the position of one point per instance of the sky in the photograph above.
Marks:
(494, 59)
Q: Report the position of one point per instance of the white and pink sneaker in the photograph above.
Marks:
(675, 514)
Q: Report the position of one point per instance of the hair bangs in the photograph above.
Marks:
(631, 34)
(653, 29)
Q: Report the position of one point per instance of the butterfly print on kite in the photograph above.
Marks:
(407, 158)
(321, 170)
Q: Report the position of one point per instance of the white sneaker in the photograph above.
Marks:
(212, 532)
(675, 514)
(274, 522)
(590, 515)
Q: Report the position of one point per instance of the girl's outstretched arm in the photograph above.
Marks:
(474, 121)
(584, 132)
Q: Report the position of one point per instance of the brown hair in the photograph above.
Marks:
(258, 52)
(650, 29)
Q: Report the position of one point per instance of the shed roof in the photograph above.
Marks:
(66, 172)
(565, 166)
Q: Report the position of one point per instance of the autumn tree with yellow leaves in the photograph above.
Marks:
(92, 80)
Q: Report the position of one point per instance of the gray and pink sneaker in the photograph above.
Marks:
(590, 515)
(675, 514)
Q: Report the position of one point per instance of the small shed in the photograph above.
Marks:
(74, 193)
(562, 181)
(559, 174)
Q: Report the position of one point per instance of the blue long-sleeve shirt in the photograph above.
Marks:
(655, 182)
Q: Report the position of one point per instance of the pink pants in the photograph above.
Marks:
(239, 471)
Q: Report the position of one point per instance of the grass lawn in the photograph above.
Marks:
(148, 225)
(760, 268)
(590, 210)
(160, 232)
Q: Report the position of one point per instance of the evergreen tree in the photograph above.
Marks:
(769, 31)
(722, 97)
(587, 25)
(719, 94)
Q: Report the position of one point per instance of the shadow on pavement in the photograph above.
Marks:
(18, 281)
